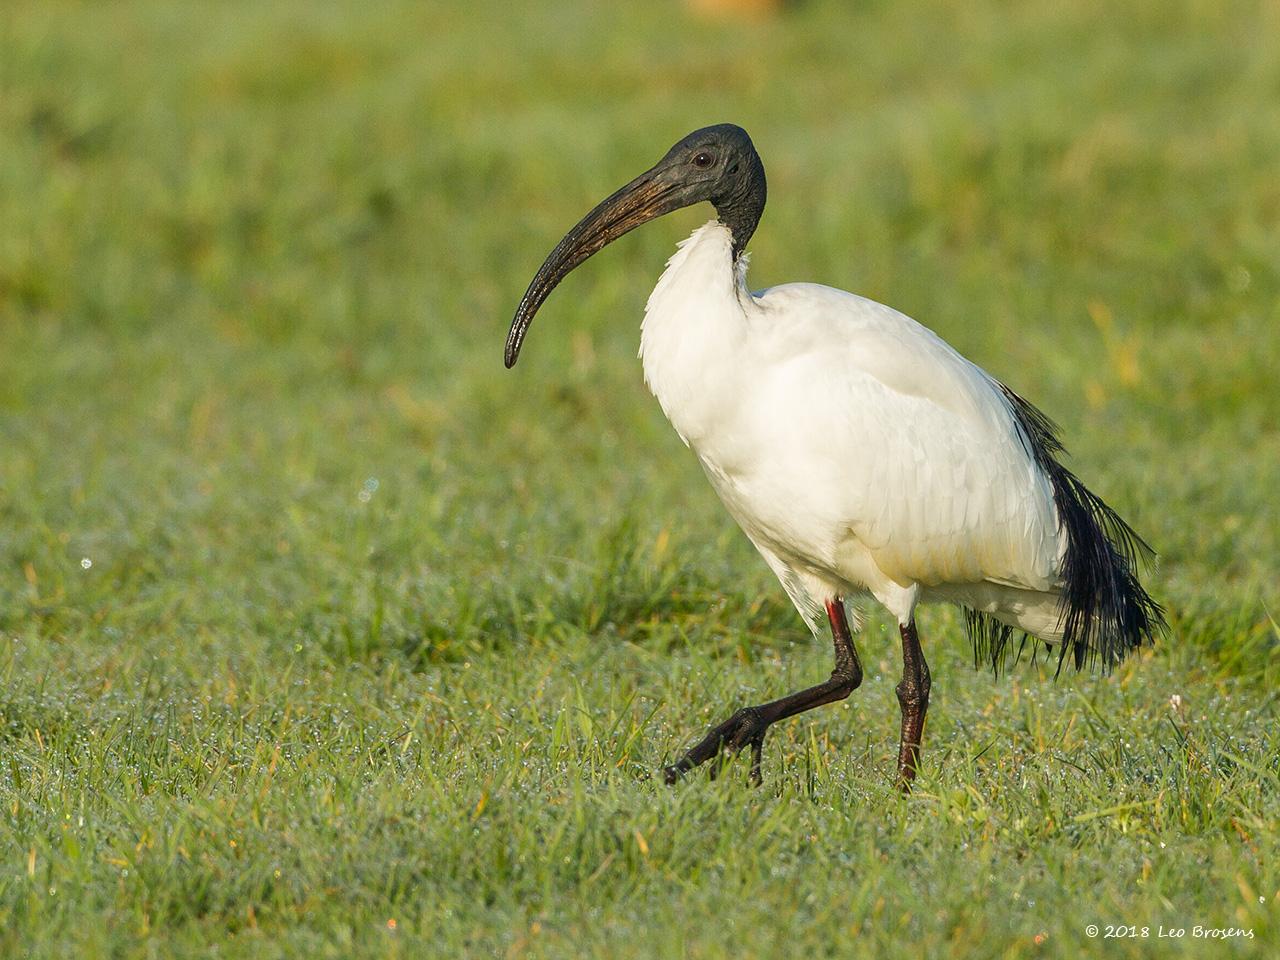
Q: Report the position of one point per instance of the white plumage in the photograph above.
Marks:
(858, 451)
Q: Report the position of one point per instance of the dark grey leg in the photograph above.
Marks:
(748, 725)
(913, 697)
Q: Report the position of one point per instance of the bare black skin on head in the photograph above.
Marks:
(718, 163)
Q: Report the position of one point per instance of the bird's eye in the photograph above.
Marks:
(703, 159)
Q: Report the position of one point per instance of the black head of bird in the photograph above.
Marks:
(717, 163)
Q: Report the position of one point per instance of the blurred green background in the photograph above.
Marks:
(322, 634)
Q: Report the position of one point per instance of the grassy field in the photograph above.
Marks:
(322, 635)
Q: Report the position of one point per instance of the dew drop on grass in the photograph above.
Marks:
(86, 563)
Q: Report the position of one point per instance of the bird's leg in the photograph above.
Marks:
(913, 697)
(748, 725)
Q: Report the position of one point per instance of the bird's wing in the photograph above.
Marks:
(925, 463)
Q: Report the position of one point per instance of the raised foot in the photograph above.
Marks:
(745, 728)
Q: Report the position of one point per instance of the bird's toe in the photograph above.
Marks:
(747, 726)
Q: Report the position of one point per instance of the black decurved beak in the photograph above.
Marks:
(650, 195)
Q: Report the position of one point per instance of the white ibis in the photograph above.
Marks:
(859, 452)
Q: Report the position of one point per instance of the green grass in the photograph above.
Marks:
(323, 635)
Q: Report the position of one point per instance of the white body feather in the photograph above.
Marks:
(858, 451)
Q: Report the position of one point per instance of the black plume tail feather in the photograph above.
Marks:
(990, 639)
(1106, 613)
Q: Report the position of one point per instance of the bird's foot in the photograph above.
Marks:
(745, 728)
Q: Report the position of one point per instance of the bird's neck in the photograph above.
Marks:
(741, 205)
(694, 326)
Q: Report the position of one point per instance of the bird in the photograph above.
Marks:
(864, 457)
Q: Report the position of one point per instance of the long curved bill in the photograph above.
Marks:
(648, 196)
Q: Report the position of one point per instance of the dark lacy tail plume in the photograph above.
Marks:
(1106, 612)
